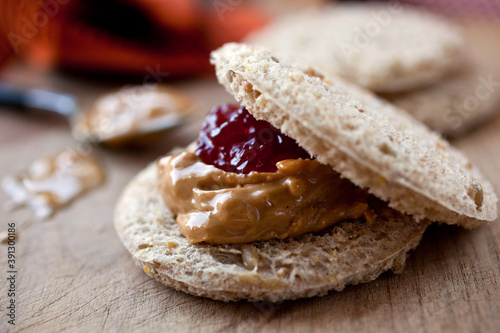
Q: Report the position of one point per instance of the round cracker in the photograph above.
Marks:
(383, 47)
(349, 253)
(364, 138)
(455, 104)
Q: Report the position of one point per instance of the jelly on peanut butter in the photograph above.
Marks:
(218, 207)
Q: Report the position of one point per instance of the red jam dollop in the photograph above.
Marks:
(232, 140)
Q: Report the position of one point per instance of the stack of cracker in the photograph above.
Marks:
(414, 59)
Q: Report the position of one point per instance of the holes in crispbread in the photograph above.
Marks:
(248, 87)
(230, 76)
(475, 192)
(386, 149)
(351, 127)
(314, 73)
(251, 92)
(156, 264)
(250, 257)
(227, 258)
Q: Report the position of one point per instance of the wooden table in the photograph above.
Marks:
(73, 274)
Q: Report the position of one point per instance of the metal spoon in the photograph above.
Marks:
(67, 106)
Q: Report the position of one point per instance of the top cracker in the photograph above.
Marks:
(367, 140)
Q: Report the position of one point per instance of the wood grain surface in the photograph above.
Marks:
(74, 275)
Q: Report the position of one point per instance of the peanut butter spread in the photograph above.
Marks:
(218, 207)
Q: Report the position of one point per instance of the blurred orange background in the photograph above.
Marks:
(124, 37)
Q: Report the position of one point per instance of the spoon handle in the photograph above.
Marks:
(23, 98)
(12, 96)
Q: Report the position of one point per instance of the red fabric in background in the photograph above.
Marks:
(5, 50)
(135, 37)
(11, 13)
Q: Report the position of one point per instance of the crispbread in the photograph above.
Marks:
(456, 103)
(367, 140)
(383, 47)
(349, 253)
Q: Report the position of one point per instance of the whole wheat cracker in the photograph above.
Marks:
(365, 139)
(349, 253)
(382, 47)
(454, 104)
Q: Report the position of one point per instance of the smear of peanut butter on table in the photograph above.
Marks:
(51, 182)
